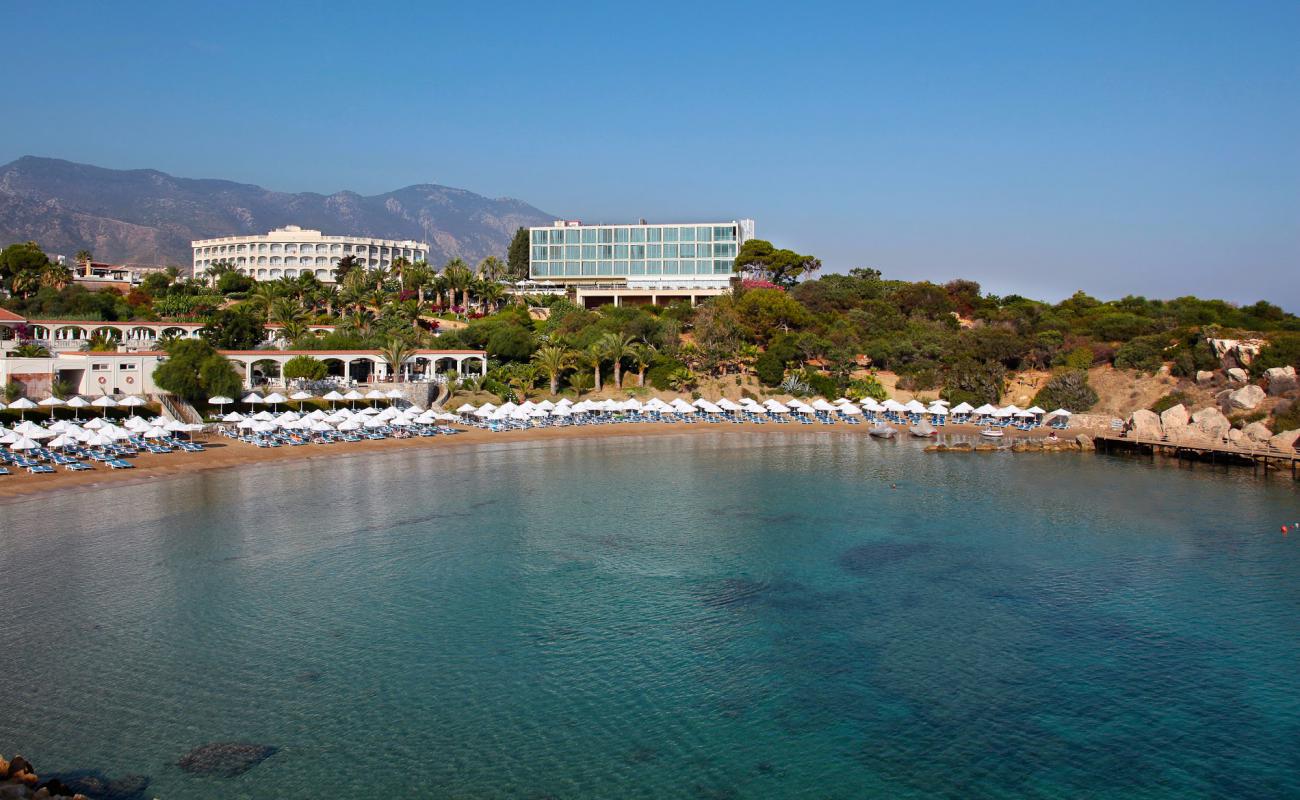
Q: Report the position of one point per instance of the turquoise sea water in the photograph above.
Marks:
(704, 616)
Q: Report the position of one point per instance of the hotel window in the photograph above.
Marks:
(125, 365)
(606, 251)
(724, 233)
(688, 234)
(654, 267)
(620, 235)
(653, 234)
(291, 248)
(638, 251)
(620, 267)
(275, 248)
(573, 251)
(540, 252)
(722, 267)
(573, 268)
(98, 367)
(620, 251)
(557, 252)
(539, 237)
(703, 234)
(725, 249)
(589, 268)
(638, 234)
(670, 251)
(573, 236)
(636, 268)
(686, 251)
(606, 235)
(604, 268)
(588, 235)
(670, 267)
(688, 267)
(670, 234)
(654, 251)
(589, 251)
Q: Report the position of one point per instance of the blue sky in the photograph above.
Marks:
(1038, 148)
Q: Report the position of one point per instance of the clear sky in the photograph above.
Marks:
(1118, 147)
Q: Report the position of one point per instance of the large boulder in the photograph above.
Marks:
(1257, 432)
(1285, 440)
(1174, 418)
(1247, 398)
(1281, 380)
(1210, 423)
(1238, 375)
(1145, 424)
(1204, 377)
(1084, 441)
(1238, 437)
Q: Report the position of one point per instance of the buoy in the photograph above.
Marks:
(1284, 530)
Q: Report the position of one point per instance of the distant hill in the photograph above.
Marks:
(144, 216)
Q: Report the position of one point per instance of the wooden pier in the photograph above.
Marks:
(1260, 456)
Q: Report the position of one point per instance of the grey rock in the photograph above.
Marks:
(1285, 440)
(1084, 441)
(1204, 377)
(1257, 432)
(1238, 375)
(1281, 380)
(1247, 398)
(1145, 424)
(1174, 418)
(226, 759)
(1210, 423)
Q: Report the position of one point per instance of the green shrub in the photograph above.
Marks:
(304, 367)
(1169, 401)
(1144, 353)
(1068, 390)
(660, 371)
(1286, 417)
(862, 388)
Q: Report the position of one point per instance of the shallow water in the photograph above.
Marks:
(699, 616)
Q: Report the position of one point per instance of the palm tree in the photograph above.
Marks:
(25, 282)
(593, 357)
(641, 355)
(264, 295)
(553, 360)
(417, 276)
(358, 322)
(491, 293)
(614, 347)
(285, 310)
(101, 341)
(491, 269)
(395, 351)
(294, 330)
(521, 380)
(55, 276)
(459, 279)
(398, 268)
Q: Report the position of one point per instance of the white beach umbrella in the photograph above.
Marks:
(252, 397)
(233, 416)
(62, 441)
(263, 416)
(728, 405)
(1035, 410)
(775, 405)
(375, 394)
(176, 426)
(353, 396)
(546, 405)
(985, 410)
(1023, 415)
(915, 406)
(757, 409)
(59, 426)
(394, 394)
(24, 443)
(350, 424)
(1002, 413)
(374, 422)
(937, 410)
(300, 396)
(821, 405)
(562, 411)
(316, 414)
(132, 401)
(22, 405)
(1061, 412)
(466, 408)
(962, 408)
(564, 401)
(275, 399)
(321, 426)
(850, 410)
(52, 402)
(9, 437)
(333, 397)
(265, 426)
(155, 433)
(104, 402)
(247, 424)
(369, 411)
(96, 423)
(41, 433)
(507, 407)
(710, 408)
(77, 403)
(484, 412)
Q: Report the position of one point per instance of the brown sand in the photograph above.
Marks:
(222, 453)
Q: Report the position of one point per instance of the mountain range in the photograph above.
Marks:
(143, 216)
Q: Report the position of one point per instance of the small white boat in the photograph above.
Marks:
(992, 433)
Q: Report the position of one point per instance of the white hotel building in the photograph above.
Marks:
(292, 251)
(637, 264)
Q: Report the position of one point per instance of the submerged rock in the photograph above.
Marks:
(227, 759)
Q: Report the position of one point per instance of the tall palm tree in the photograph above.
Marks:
(491, 269)
(615, 347)
(553, 360)
(55, 276)
(264, 295)
(594, 358)
(395, 351)
(358, 321)
(417, 277)
(641, 354)
(491, 293)
(284, 310)
(459, 277)
(398, 269)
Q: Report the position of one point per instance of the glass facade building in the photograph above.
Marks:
(570, 252)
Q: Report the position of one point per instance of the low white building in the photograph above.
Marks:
(292, 251)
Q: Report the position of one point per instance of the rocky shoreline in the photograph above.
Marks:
(1079, 444)
(19, 781)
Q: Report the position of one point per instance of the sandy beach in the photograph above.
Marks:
(222, 453)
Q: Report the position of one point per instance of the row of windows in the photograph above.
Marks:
(309, 248)
(105, 367)
(290, 261)
(633, 251)
(671, 267)
(635, 233)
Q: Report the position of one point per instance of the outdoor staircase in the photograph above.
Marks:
(444, 392)
(177, 409)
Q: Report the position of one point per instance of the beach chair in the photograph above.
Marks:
(118, 463)
(40, 469)
(77, 466)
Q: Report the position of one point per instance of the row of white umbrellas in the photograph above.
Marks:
(343, 419)
(22, 404)
(27, 435)
(842, 406)
(275, 398)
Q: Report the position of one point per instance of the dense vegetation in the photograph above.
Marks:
(826, 335)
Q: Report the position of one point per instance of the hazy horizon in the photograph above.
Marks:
(1037, 150)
